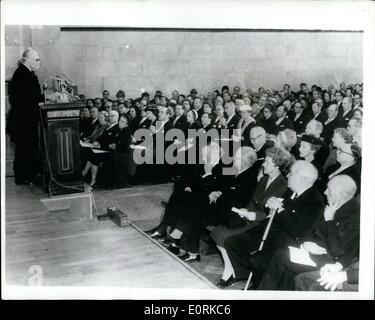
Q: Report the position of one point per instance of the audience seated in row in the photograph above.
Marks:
(294, 175)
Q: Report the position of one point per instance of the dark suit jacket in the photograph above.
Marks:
(24, 97)
(122, 139)
(245, 132)
(346, 118)
(284, 124)
(300, 123)
(108, 137)
(292, 224)
(353, 172)
(181, 123)
(341, 235)
(329, 128)
(261, 195)
(241, 188)
(322, 117)
(233, 123)
(89, 128)
(269, 125)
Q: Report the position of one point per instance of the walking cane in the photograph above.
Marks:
(265, 235)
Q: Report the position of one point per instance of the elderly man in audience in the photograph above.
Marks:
(293, 215)
(271, 184)
(244, 125)
(334, 121)
(333, 239)
(329, 277)
(258, 140)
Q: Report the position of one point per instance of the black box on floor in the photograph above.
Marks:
(118, 217)
(103, 217)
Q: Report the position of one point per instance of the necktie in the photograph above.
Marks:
(174, 121)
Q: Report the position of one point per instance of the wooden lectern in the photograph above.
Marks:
(60, 149)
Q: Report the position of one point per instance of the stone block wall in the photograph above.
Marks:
(137, 61)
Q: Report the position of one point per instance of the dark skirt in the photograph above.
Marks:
(221, 232)
(97, 158)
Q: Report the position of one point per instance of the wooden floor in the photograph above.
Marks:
(73, 252)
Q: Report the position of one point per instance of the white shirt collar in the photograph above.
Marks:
(230, 117)
(280, 120)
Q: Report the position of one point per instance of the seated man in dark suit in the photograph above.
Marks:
(334, 121)
(259, 142)
(94, 122)
(347, 110)
(334, 238)
(293, 214)
(282, 121)
(179, 119)
(232, 118)
(271, 184)
(84, 120)
(187, 209)
(317, 113)
(299, 119)
(330, 277)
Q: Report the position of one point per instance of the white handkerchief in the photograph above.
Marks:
(300, 256)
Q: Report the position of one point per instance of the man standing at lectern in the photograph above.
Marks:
(24, 96)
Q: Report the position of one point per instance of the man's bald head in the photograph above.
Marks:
(30, 58)
(341, 189)
(302, 176)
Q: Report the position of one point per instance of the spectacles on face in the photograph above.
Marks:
(254, 138)
(37, 60)
(342, 151)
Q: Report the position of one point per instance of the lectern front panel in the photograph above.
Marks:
(65, 158)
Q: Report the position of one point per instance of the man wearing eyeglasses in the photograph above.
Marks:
(24, 96)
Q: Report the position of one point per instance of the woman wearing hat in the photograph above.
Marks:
(308, 149)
